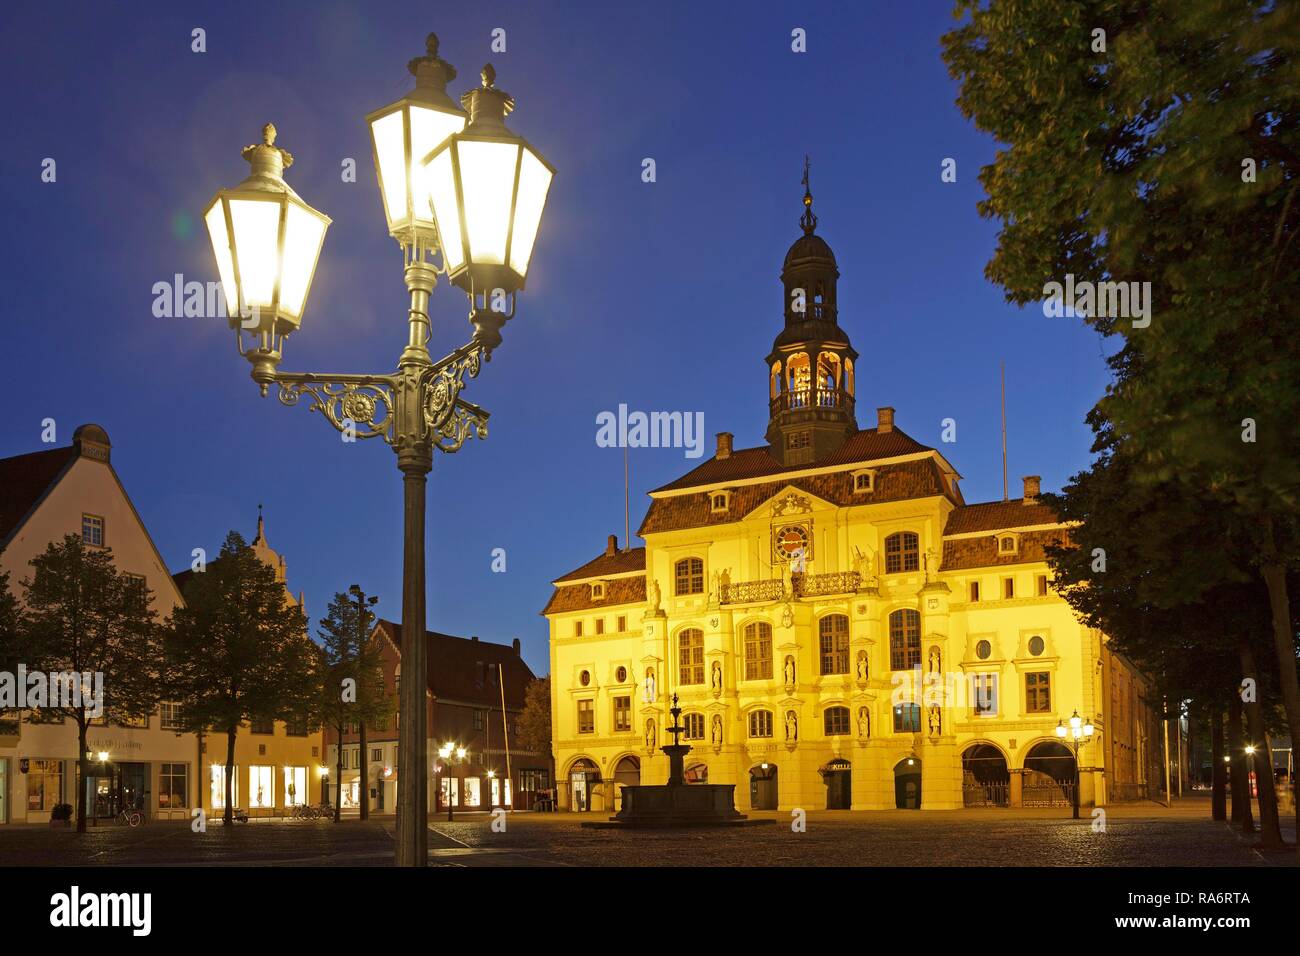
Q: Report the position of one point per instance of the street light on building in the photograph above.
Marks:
(451, 754)
(454, 181)
(1076, 731)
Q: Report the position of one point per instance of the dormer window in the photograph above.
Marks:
(1008, 544)
(720, 501)
(864, 481)
(598, 591)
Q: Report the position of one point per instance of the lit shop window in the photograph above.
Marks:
(218, 786)
(472, 792)
(295, 786)
(450, 787)
(261, 787)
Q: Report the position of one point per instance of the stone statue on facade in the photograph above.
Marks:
(864, 723)
(650, 733)
(863, 673)
(789, 670)
(717, 730)
(791, 726)
(716, 678)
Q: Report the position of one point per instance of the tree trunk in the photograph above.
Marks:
(364, 788)
(1218, 774)
(338, 778)
(1274, 574)
(1241, 812)
(84, 764)
(228, 812)
(1269, 831)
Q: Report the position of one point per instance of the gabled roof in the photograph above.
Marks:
(863, 446)
(454, 671)
(24, 481)
(995, 515)
(620, 562)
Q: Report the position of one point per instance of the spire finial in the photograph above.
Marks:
(807, 220)
(260, 527)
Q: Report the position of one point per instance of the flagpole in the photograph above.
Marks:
(1004, 432)
(505, 733)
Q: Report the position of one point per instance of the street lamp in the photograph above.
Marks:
(451, 753)
(1078, 732)
(267, 240)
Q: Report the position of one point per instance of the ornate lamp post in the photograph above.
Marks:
(267, 241)
(450, 754)
(1077, 732)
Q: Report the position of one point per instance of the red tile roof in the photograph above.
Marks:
(863, 446)
(993, 515)
(24, 480)
(621, 562)
(458, 666)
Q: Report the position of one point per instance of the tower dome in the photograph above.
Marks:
(811, 366)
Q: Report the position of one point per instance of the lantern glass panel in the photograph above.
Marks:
(303, 234)
(442, 193)
(390, 154)
(487, 176)
(428, 129)
(257, 235)
(534, 182)
(216, 220)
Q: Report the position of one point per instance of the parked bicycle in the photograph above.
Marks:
(131, 818)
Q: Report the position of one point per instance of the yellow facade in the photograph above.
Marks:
(841, 628)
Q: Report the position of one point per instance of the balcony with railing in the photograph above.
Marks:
(812, 398)
(818, 585)
(750, 592)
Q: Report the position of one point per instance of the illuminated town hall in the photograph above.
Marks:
(842, 629)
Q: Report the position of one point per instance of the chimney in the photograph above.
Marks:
(516, 645)
(1031, 488)
(885, 421)
(724, 445)
(473, 637)
(611, 546)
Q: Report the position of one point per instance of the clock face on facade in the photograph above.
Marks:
(791, 541)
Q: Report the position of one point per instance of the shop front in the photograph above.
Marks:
(114, 787)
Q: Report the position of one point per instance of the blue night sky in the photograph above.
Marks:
(663, 296)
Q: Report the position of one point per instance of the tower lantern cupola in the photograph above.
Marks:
(811, 367)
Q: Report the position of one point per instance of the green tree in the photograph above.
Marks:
(1158, 141)
(11, 624)
(87, 619)
(353, 689)
(239, 651)
(534, 725)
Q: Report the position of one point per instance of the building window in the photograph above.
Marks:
(834, 637)
(534, 780)
(690, 656)
(760, 723)
(44, 784)
(92, 530)
(1038, 693)
(261, 787)
(622, 623)
(907, 718)
(721, 501)
(295, 786)
(984, 694)
(376, 754)
(690, 576)
(478, 717)
(758, 651)
(600, 625)
(1007, 544)
(1008, 588)
(620, 675)
(173, 786)
(169, 716)
(218, 787)
(902, 552)
(835, 720)
(622, 714)
(598, 591)
(298, 727)
(974, 591)
(577, 629)
(139, 722)
(904, 640)
(694, 724)
(139, 593)
(1037, 645)
(260, 726)
(864, 481)
(586, 717)
(1041, 582)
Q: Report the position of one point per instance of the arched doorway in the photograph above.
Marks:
(838, 777)
(1049, 776)
(763, 787)
(627, 773)
(584, 779)
(907, 784)
(696, 773)
(985, 780)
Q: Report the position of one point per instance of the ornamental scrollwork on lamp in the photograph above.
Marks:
(441, 389)
(365, 408)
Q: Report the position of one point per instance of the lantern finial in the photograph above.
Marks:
(487, 106)
(807, 220)
(265, 157)
(432, 73)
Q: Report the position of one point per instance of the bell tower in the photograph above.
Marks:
(811, 366)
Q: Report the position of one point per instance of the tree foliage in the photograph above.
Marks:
(534, 726)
